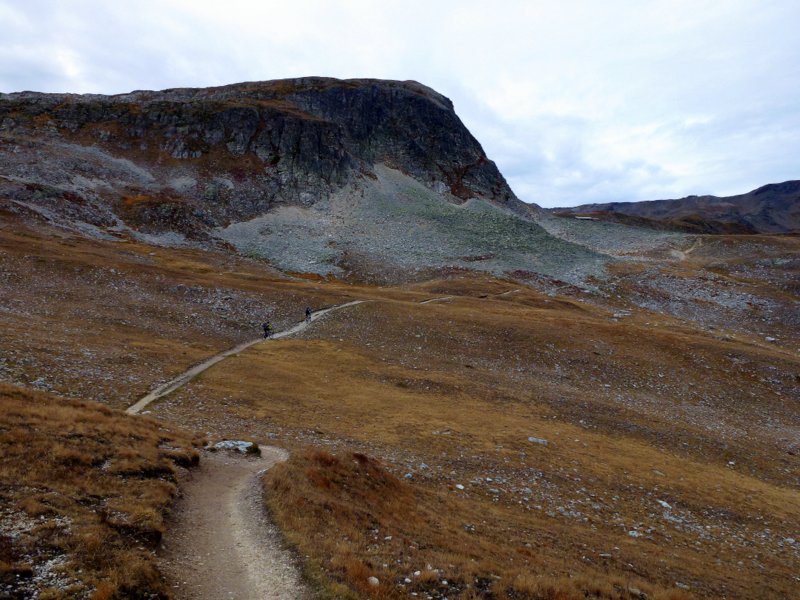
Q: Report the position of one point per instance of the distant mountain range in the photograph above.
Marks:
(773, 208)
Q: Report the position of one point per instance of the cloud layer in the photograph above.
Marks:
(577, 101)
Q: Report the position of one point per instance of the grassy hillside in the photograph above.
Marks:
(669, 462)
(83, 491)
(360, 521)
(671, 458)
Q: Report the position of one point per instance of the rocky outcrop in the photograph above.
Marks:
(361, 179)
(202, 158)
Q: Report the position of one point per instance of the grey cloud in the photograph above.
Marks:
(576, 101)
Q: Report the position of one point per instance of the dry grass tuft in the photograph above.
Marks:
(360, 521)
(84, 490)
(638, 410)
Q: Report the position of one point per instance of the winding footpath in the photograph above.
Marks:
(186, 377)
(220, 543)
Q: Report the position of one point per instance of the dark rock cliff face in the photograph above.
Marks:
(359, 179)
(413, 128)
(191, 159)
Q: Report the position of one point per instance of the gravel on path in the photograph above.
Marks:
(220, 544)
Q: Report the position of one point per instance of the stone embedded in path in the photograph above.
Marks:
(237, 446)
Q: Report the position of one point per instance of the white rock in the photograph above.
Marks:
(664, 504)
(537, 440)
(373, 581)
(459, 486)
(182, 184)
(238, 445)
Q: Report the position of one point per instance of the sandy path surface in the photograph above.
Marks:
(187, 376)
(220, 544)
(442, 299)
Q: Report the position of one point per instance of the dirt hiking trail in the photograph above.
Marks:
(186, 377)
(684, 254)
(220, 544)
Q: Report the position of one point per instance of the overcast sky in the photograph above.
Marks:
(577, 101)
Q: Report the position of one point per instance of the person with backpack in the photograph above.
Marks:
(267, 327)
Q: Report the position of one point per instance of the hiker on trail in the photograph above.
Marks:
(267, 329)
(308, 313)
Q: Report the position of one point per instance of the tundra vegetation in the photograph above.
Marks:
(84, 492)
(525, 406)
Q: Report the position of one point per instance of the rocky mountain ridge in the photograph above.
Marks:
(250, 146)
(334, 177)
(772, 208)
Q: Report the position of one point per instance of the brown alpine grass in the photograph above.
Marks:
(84, 492)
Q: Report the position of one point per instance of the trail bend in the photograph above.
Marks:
(220, 543)
(684, 254)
